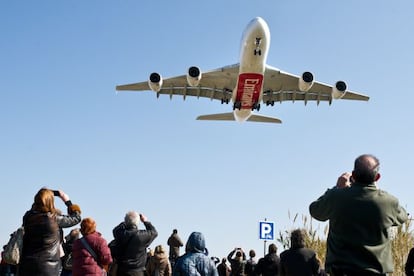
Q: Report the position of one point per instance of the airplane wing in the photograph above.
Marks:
(281, 86)
(216, 84)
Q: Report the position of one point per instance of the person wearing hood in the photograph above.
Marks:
(158, 264)
(195, 261)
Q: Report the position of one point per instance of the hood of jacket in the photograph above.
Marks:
(196, 243)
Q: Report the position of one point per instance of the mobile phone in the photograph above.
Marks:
(56, 193)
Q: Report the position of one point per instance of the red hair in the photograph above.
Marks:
(88, 226)
(44, 201)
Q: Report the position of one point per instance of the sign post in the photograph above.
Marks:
(266, 232)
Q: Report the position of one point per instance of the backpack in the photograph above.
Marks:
(14, 247)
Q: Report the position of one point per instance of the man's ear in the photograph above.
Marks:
(377, 177)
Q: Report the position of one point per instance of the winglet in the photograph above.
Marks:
(230, 117)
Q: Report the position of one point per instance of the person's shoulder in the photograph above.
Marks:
(307, 251)
(386, 196)
(285, 253)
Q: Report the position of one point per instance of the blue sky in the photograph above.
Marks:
(63, 125)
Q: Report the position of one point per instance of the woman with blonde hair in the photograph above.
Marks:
(159, 265)
(43, 235)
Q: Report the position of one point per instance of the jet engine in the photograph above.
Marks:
(155, 82)
(339, 90)
(306, 81)
(193, 76)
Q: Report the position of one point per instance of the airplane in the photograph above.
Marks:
(247, 83)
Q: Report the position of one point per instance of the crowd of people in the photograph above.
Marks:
(360, 216)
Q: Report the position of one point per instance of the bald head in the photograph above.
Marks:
(366, 169)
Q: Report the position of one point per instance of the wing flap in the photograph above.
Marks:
(282, 86)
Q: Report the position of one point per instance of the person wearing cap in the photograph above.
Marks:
(174, 242)
(195, 261)
(132, 244)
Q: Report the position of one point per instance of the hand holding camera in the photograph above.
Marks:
(344, 181)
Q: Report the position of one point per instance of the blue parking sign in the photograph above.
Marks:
(266, 230)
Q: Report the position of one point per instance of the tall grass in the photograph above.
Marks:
(402, 240)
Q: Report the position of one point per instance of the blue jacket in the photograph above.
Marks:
(195, 261)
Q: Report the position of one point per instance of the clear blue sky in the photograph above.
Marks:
(63, 125)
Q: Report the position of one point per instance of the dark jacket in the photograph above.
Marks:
(269, 265)
(237, 264)
(195, 261)
(132, 246)
(223, 269)
(174, 242)
(409, 265)
(249, 267)
(83, 262)
(360, 220)
(299, 262)
(42, 242)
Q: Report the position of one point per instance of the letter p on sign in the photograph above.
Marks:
(266, 230)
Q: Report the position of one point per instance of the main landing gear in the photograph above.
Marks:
(256, 106)
(237, 105)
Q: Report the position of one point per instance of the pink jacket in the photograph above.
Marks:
(83, 262)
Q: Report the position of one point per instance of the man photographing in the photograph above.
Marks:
(360, 219)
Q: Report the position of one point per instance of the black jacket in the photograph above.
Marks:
(42, 241)
(132, 246)
(299, 262)
(269, 265)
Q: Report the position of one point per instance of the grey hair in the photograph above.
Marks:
(131, 218)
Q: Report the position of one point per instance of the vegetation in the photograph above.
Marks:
(402, 240)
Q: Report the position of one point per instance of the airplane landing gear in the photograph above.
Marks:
(256, 106)
(257, 51)
(237, 105)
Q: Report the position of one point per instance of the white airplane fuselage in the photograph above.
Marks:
(248, 92)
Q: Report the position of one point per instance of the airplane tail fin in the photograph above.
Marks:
(230, 117)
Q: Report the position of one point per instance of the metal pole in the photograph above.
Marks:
(264, 244)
